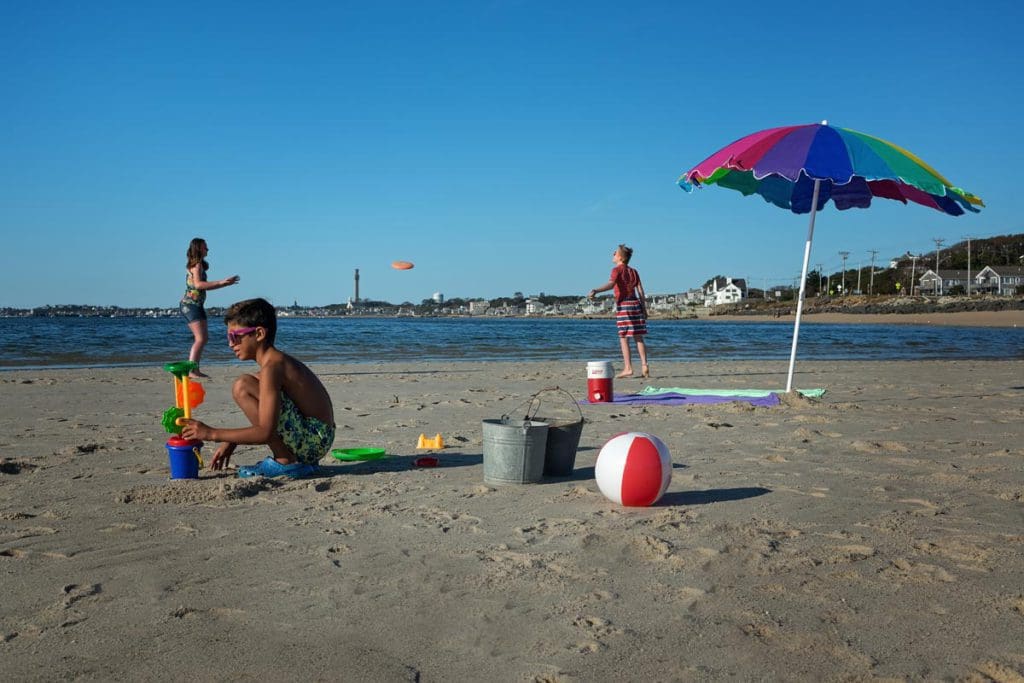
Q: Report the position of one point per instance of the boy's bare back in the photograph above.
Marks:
(298, 383)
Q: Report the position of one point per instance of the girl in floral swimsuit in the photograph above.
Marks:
(196, 286)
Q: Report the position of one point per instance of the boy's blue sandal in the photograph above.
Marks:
(268, 467)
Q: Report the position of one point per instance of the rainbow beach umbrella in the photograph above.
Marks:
(802, 168)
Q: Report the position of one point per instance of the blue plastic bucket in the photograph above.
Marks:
(184, 457)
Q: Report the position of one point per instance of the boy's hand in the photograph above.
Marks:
(194, 429)
(222, 456)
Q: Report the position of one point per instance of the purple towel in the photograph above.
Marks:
(671, 399)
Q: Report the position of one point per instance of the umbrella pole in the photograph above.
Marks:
(803, 286)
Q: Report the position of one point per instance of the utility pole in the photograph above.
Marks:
(871, 282)
(860, 269)
(843, 255)
(968, 238)
(913, 267)
(819, 280)
(938, 250)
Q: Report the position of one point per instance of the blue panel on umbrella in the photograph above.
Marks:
(828, 158)
(853, 195)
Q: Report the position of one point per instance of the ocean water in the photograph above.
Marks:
(106, 342)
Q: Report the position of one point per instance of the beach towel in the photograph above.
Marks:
(735, 393)
(677, 396)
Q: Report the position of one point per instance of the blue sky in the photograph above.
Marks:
(501, 146)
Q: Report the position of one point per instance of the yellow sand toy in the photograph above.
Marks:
(436, 442)
(188, 394)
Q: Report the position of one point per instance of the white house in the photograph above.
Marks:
(479, 306)
(940, 282)
(693, 296)
(1002, 280)
(534, 307)
(596, 306)
(725, 290)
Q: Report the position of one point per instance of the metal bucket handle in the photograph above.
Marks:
(533, 405)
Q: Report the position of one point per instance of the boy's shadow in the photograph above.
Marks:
(400, 463)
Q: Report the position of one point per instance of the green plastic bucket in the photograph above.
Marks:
(514, 451)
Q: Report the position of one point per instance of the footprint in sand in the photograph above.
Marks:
(930, 573)
(688, 595)
(596, 629)
(850, 553)
(878, 447)
(11, 466)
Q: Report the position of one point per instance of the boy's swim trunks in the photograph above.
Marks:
(307, 438)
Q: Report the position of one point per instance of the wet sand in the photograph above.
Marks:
(876, 533)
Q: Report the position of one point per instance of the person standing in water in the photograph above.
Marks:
(630, 309)
(192, 303)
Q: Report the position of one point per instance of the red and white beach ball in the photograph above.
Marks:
(633, 469)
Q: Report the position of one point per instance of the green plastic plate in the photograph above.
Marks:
(358, 453)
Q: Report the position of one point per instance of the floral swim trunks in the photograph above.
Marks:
(307, 438)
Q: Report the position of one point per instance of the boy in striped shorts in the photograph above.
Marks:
(630, 309)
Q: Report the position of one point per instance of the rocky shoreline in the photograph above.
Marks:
(855, 305)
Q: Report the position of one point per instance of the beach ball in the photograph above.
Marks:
(633, 469)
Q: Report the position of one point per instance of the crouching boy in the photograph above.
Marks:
(287, 405)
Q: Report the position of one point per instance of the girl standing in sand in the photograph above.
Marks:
(630, 309)
(196, 286)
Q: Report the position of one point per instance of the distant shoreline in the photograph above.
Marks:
(1014, 318)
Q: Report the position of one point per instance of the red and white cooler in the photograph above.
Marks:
(599, 381)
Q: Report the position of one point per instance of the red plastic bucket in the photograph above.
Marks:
(599, 381)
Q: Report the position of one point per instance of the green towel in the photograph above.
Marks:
(745, 393)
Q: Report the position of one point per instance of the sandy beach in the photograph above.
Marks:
(874, 534)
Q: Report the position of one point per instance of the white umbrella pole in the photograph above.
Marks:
(803, 286)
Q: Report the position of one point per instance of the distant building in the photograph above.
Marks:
(725, 290)
(596, 306)
(693, 296)
(1002, 280)
(438, 298)
(937, 283)
(479, 307)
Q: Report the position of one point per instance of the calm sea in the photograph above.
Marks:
(105, 342)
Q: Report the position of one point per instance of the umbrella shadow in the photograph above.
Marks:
(711, 496)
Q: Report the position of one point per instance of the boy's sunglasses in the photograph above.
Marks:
(235, 336)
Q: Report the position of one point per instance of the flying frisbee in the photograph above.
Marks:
(401, 265)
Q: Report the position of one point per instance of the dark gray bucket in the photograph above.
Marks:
(514, 451)
(560, 452)
(565, 426)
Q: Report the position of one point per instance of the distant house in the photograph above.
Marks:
(665, 302)
(725, 290)
(479, 306)
(940, 282)
(693, 296)
(1003, 280)
(596, 306)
